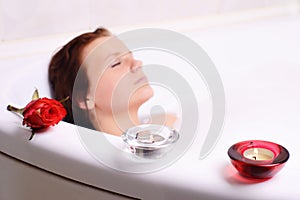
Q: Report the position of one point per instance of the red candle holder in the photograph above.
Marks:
(257, 158)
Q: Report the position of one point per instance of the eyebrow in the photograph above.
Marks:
(112, 55)
(117, 54)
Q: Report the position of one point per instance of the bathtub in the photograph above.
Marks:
(258, 63)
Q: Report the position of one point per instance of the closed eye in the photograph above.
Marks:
(115, 64)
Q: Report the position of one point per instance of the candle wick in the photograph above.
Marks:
(152, 139)
(254, 157)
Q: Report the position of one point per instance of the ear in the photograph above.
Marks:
(82, 105)
(86, 105)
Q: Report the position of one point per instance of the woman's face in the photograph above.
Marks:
(117, 82)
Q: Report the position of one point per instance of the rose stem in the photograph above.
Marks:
(14, 109)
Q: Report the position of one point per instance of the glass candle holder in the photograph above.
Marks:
(150, 140)
(257, 158)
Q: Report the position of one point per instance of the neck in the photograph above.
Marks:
(116, 124)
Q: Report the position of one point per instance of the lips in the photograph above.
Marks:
(141, 80)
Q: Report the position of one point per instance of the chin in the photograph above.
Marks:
(141, 95)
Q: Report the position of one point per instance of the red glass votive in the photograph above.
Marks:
(257, 158)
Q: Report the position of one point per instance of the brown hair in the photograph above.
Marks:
(64, 66)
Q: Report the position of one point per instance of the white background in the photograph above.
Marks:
(22, 19)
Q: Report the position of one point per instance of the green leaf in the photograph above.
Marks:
(35, 94)
(32, 134)
(65, 99)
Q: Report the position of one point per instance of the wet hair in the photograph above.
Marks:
(63, 69)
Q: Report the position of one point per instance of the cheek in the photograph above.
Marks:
(104, 92)
(112, 91)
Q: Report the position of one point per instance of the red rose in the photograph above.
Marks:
(42, 113)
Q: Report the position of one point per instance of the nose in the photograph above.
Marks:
(132, 64)
(136, 65)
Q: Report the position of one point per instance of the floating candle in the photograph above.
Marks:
(150, 140)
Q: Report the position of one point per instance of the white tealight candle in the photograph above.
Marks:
(258, 154)
(147, 137)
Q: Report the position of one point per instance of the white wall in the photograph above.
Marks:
(22, 19)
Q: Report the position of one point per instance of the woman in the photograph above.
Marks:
(105, 83)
